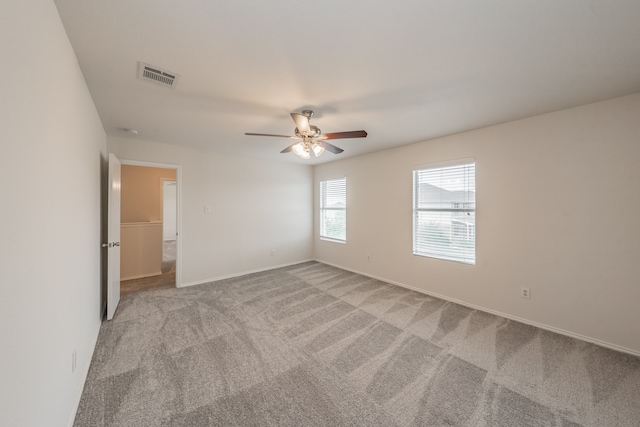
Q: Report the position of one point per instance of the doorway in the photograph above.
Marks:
(150, 224)
(169, 226)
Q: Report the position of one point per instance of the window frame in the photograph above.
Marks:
(465, 253)
(323, 209)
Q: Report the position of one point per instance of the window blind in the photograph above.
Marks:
(444, 212)
(333, 209)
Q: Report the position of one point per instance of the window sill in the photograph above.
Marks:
(445, 258)
(328, 239)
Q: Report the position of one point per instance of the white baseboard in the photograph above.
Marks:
(84, 372)
(497, 313)
(244, 273)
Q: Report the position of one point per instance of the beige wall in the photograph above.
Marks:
(140, 250)
(53, 155)
(557, 211)
(142, 193)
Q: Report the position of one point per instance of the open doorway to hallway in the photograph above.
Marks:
(148, 228)
(169, 227)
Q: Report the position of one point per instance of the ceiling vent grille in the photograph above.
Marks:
(157, 75)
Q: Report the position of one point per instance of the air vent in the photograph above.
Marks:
(157, 75)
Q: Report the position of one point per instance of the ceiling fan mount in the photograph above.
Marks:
(313, 140)
(313, 132)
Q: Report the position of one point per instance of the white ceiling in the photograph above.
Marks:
(405, 71)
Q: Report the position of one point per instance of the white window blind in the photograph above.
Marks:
(444, 212)
(333, 209)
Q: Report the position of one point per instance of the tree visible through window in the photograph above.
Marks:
(444, 212)
(333, 209)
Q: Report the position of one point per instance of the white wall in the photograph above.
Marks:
(256, 207)
(558, 205)
(52, 146)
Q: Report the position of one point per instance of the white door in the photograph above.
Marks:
(113, 231)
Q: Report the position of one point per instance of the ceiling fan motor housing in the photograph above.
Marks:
(314, 132)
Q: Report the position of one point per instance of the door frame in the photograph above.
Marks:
(178, 169)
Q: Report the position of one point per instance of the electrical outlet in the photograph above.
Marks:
(525, 293)
(207, 209)
(272, 253)
(368, 258)
(74, 358)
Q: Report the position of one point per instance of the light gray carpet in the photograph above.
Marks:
(313, 345)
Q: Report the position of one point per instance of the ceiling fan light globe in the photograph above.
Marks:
(318, 150)
(305, 155)
(298, 149)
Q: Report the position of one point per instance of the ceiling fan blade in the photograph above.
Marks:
(344, 135)
(330, 147)
(269, 134)
(302, 122)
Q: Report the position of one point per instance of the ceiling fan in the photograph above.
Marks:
(313, 141)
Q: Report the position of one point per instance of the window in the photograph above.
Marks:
(444, 211)
(333, 209)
